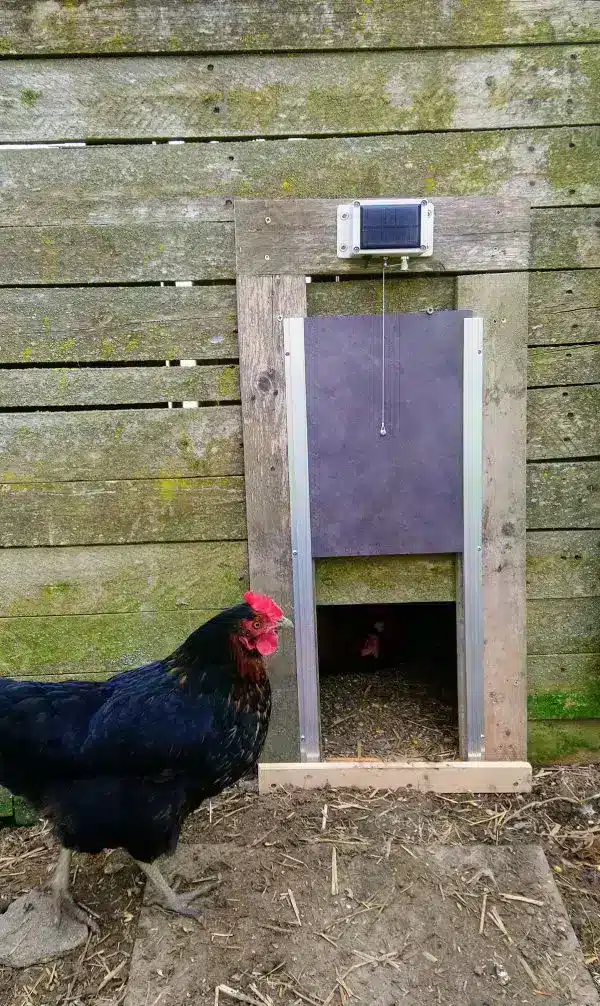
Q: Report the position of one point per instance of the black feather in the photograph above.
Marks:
(122, 762)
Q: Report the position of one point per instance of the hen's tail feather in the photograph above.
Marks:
(42, 727)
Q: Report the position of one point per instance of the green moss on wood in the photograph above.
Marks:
(250, 109)
(565, 705)
(65, 26)
(572, 163)
(385, 579)
(172, 577)
(365, 297)
(137, 444)
(564, 742)
(122, 511)
(435, 102)
(29, 97)
(364, 105)
(81, 646)
(563, 564)
(228, 384)
(587, 60)
(563, 625)
(487, 21)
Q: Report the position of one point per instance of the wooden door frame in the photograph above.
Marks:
(484, 243)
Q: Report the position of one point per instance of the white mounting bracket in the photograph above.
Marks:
(400, 227)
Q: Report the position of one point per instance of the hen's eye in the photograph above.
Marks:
(256, 623)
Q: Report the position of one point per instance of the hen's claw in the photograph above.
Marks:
(172, 900)
(65, 905)
(182, 903)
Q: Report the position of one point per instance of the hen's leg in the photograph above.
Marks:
(64, 904)
(168, 898)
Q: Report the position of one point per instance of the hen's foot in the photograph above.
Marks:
(173, 901)
(183, 904)
(65, 907)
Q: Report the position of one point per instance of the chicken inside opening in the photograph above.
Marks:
(387, 676)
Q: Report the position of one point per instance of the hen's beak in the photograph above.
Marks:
(285, 623)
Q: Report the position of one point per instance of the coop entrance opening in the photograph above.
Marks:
(388, 681)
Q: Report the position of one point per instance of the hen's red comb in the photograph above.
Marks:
(264, 605)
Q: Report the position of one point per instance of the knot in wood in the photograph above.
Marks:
(266, 381)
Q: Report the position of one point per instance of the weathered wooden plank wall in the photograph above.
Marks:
(101, 26)
(485, 97)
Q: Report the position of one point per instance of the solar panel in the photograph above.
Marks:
(390, 227)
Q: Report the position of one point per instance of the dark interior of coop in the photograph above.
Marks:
(388, 681)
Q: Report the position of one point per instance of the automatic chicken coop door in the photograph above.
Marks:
(385, 458)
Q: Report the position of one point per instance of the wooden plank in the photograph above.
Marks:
(136, 253)
(125, 443)
(122, 578)
(152, 323)
(558, 365)
(100, 26)
(56, 325)
(563, 625)
(120, 512)
(563, 494)
(502, 302)
(549, 303)
(563, 564)
(263, 303)
(91, 646)
(559, 564)
(563, 422)
(130, 97)
(563, 686)
(403, 293)
(563, 743)
(67, 186)
(386, 579)
(470, 236)
(568, 671)
(566, 238)
(64, 387)
(298, 237)
(426, 777)
(172, 576)
(564, 307)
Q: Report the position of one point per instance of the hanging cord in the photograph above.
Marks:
(382, 430)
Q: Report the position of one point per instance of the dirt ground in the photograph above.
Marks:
(296, 832)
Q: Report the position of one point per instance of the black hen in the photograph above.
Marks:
(121, 764)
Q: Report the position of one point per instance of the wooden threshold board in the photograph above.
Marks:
(424, 776)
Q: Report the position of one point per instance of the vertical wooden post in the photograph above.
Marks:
(501, 299)
(263, 303)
